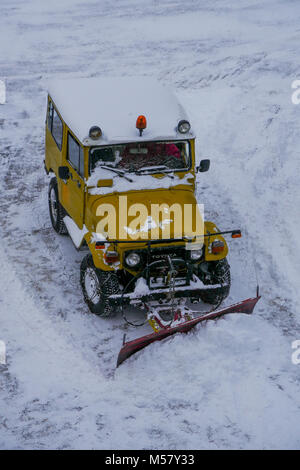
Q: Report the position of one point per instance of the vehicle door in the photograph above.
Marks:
(72, 189)
(54, 137)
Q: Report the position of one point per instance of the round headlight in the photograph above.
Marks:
(196, 254)
(183, 126)
(95, 132)
(132, 259)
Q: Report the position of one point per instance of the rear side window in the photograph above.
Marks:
(57, 129)
(75, 155)
(55, 125)
(50, 115)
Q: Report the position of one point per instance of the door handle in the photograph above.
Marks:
(75, 181)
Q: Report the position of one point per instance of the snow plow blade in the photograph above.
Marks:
(131, 347)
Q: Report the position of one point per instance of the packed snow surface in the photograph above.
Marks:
(230, 383)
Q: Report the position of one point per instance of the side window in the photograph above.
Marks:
(57, 129)
(55, 125)
(81, 162)
(50, 115)
(75, 155)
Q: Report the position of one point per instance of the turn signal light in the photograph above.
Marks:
(217, 247)
(99, 246)
(236, 234)
(111, 256)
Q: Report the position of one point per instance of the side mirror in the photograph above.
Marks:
(63, 172)
(204, 166)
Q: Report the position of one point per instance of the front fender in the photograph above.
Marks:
(98, 255)
(210, 228)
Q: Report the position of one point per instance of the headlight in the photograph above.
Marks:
(183, 127)
(132, 259)
(196, 254)
(95, 132)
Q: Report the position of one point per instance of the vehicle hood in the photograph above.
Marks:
(148, 214)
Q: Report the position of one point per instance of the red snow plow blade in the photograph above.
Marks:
(131, 347)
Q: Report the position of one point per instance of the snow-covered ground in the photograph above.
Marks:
(230, 383)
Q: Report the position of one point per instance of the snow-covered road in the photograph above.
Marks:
(231, 383)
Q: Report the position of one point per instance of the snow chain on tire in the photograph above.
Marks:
(220, 275)
(108, 285)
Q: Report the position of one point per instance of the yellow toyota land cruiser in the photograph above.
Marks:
(122, 156)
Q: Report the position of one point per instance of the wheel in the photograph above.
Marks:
(57, 212)
(97, 286)
(219, 274)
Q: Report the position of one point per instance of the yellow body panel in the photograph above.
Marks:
(210, 227)
(177, 196)
(81, 206)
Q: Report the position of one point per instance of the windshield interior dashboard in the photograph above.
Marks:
(143, 157)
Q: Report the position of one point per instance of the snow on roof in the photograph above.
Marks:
(114, 104)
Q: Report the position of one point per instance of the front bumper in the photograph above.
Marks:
(191, 291)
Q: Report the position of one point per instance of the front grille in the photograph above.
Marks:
(157, 274)
(163, 252)
(157, 254)
(158, 271)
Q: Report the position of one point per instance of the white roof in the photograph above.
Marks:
(114, 104)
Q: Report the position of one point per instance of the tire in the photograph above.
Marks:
(220, 274)
(56, 211)
(97, 286)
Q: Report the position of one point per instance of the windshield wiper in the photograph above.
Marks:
(115, 170)
(156, 169)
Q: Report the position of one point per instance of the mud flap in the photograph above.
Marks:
(131, 347)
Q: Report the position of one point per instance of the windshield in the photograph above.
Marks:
(150, 157)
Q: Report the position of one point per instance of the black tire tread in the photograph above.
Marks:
(59, 225)
(220, 275)
(109, 283)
